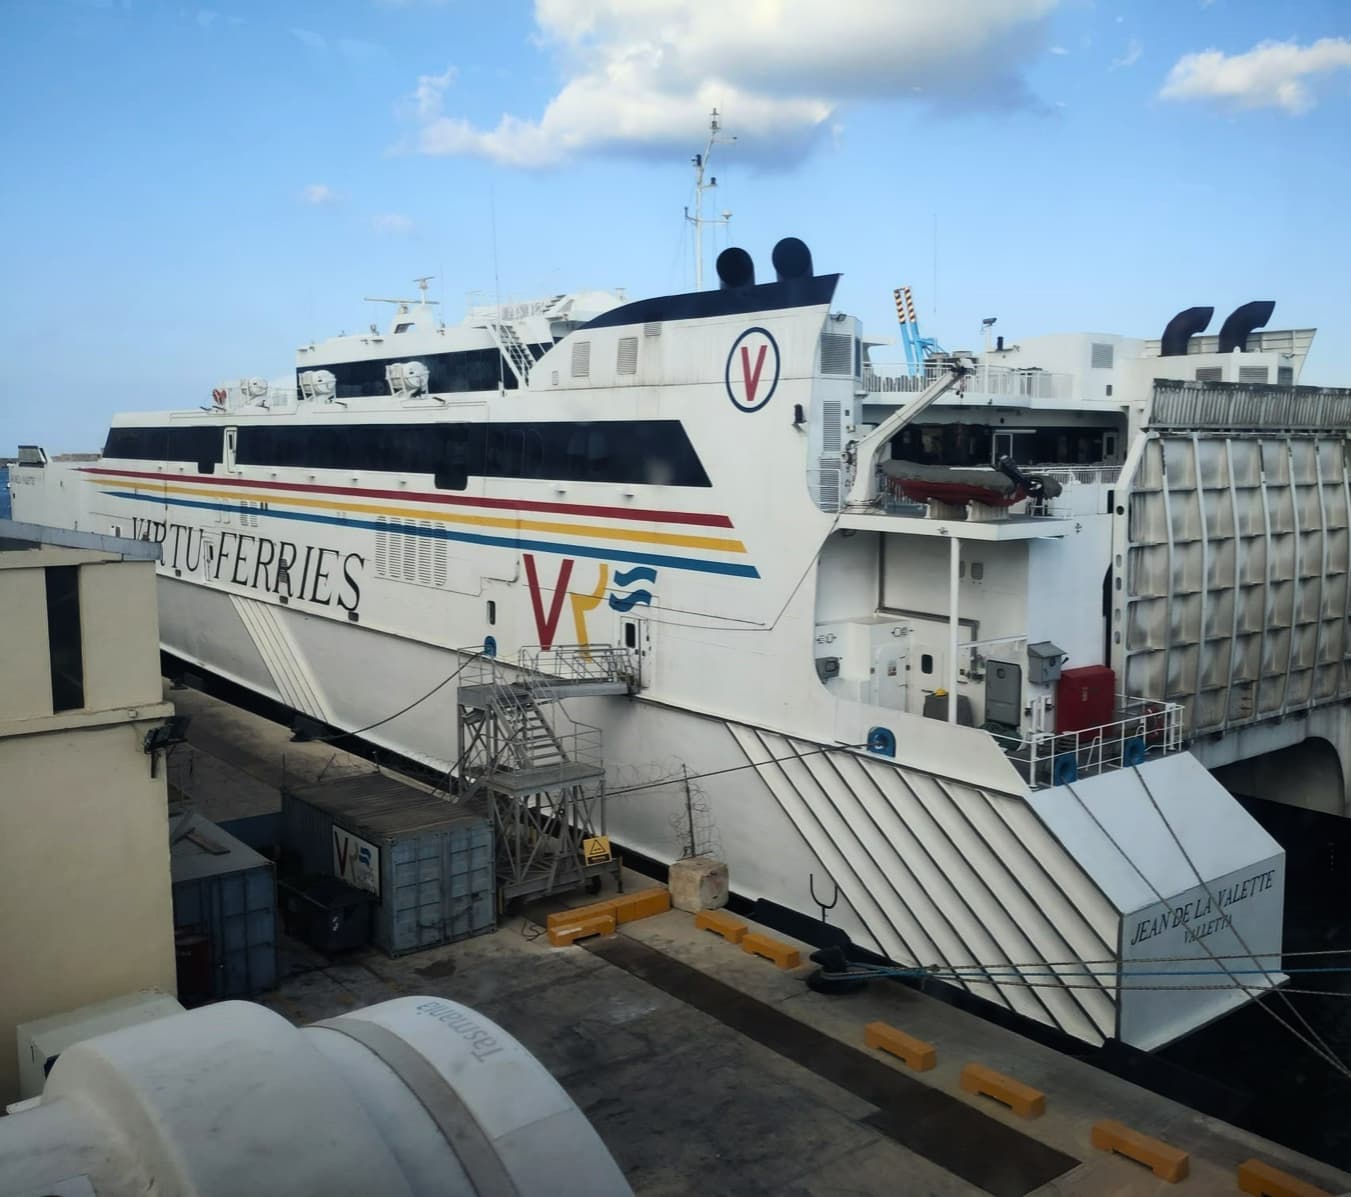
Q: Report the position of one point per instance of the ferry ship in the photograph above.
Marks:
(950, 648)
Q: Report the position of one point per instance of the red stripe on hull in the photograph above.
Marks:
(616, 513)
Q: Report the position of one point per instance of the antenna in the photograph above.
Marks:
(403, 303)
(422, 287)
(497, 291)
(700, 162)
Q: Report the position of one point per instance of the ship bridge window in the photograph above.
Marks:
(401, 328)
(198, 444)
(657, 452)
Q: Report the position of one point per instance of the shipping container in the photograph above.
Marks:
(225, 913)
(429, 864)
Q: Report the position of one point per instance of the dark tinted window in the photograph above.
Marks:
(196, 444)
(651, 451)
(469, 370)
(64, 645)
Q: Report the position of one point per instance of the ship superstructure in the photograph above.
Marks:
(936, 639)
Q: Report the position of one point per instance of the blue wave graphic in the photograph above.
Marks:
(627, 577)
(627, 602)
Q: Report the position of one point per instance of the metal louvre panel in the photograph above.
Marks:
(1235, 574)
(581, 359)
(1248, 407)
(627, 358)
(830, 426)
(837, 353)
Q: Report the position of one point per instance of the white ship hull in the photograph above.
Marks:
(668, 479)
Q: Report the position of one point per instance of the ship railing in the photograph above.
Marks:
(581, 662)
(1001, 381)
(1143, 729)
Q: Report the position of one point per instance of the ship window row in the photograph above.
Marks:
(447, 373)
(653, 452)
(198, 444)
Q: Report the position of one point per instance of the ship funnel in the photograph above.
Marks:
(792, 259)
(1181, 328)
(1241, 321)
(735, 269)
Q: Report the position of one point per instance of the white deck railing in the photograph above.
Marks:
(1142, 730)
(1003, 381)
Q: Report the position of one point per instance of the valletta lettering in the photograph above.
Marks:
(1201, 917)
(315, 575)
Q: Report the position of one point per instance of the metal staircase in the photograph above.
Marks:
(513, 349)
(535, 771)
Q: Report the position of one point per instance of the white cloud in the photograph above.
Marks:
(310, 39)
(318, 193)
(1057, 50)
(1130, 57)
(392, 222)
(1270, 75)
(640, 76)
(429, 94)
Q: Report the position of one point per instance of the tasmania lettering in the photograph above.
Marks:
(315, 575)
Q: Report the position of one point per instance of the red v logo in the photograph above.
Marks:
(546, 626)
(752, 378)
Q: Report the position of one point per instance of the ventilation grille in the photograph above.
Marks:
(1285, 376)
(1102, 356)
(830, 426)
(1210, 374)
(248, 514)
(837, 353)
(828, 484)
(1253, 374)
(652, 328)
(581, 359)
(401, 556)
(627, 362)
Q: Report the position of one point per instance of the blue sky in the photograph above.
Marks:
(191, 192)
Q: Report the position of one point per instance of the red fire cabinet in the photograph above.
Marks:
(1084, 698)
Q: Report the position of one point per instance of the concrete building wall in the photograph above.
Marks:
(85, 910)
(26, 684)
(85, 891)
(121, 645)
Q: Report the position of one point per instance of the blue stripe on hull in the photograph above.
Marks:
(502, 542)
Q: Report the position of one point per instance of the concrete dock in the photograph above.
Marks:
(707, 1069)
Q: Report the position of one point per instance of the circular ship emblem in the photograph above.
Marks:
(752, 369)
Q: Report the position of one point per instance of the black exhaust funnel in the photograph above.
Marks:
(792, 259)
(1241, 321)
(735, 269)
(1181, 328)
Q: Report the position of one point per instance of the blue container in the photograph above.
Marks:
(4, 493)
(429, 864)
(225, 912)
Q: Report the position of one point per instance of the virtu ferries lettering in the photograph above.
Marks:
(1205, 915)
(281, 567)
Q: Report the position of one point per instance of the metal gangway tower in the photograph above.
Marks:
(535, 771)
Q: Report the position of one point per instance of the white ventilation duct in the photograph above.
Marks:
(411, 1097)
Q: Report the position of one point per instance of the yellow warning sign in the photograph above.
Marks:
(596, 849)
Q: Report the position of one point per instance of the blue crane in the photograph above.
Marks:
(917, 348)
